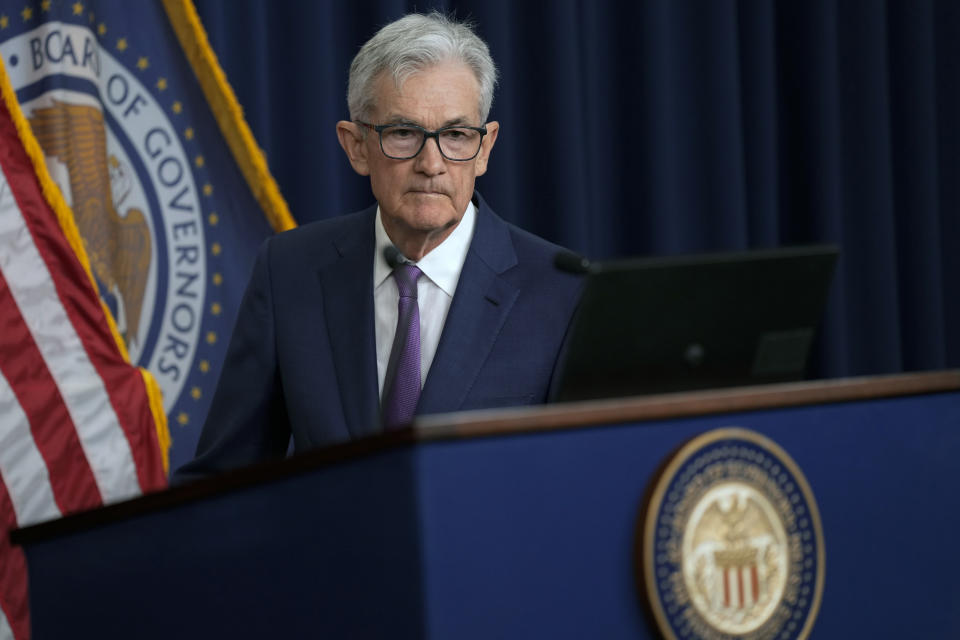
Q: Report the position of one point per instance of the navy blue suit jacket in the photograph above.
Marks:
(302, 359)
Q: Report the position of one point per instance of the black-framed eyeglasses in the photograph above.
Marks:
(405, 141)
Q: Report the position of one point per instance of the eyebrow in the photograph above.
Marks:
(453, 122)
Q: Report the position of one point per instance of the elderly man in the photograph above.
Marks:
(426, 302)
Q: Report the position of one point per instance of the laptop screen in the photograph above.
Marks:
(695, 322)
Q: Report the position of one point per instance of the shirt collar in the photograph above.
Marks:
(442, 265)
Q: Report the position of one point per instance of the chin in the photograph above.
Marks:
(430, 216)
(430, 221)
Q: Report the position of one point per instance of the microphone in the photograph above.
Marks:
(574, 263)
(393, 256)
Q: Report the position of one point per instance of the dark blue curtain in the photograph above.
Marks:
(667, 126)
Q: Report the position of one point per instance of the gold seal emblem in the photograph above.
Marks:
(732, 542)
(735, 555)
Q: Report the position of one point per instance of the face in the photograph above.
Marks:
(421, 199)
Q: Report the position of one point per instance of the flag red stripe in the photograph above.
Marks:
(125, 387)
(13, 573)
(755, 583)
(74, 487)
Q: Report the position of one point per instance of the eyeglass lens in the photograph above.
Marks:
(405, 142)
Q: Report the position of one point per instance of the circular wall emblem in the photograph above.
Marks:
(116, 143)
(732, 545)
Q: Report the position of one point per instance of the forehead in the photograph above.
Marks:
(434, 96)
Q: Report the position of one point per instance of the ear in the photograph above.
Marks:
(486, 146)
(354, 145)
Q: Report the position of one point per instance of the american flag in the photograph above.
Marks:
(79, 425)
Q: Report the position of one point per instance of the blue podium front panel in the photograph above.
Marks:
(333, 553)
(534, 535)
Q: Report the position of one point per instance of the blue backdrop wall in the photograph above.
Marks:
(671, 126)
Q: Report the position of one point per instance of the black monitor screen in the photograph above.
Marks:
(695, 322)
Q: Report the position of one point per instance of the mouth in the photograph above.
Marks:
(428, 192)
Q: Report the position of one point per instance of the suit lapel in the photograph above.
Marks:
(479, 309)
(348, 307)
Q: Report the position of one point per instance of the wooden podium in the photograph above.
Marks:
(513, 524)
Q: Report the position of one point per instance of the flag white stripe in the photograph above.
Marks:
(735, 579)
(735, 586)
(6, 633)
(22, 468)
(98, 428)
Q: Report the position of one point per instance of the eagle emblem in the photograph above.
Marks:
(119, 246)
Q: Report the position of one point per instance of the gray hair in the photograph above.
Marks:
(411, 44)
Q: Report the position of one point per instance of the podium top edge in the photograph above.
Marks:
(488, 422)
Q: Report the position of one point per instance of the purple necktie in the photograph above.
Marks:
(402, 389)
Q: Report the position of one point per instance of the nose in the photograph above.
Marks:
(430, 161)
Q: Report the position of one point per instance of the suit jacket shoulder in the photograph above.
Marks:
(506, 324)
(296, 363)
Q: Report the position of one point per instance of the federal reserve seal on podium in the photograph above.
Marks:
(730, 544)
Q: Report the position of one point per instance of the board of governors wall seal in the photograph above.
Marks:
(731, 545)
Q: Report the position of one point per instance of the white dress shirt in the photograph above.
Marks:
(441, 271)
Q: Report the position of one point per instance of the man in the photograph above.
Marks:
(425, 303)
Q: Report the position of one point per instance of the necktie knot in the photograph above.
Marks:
(406, 276)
